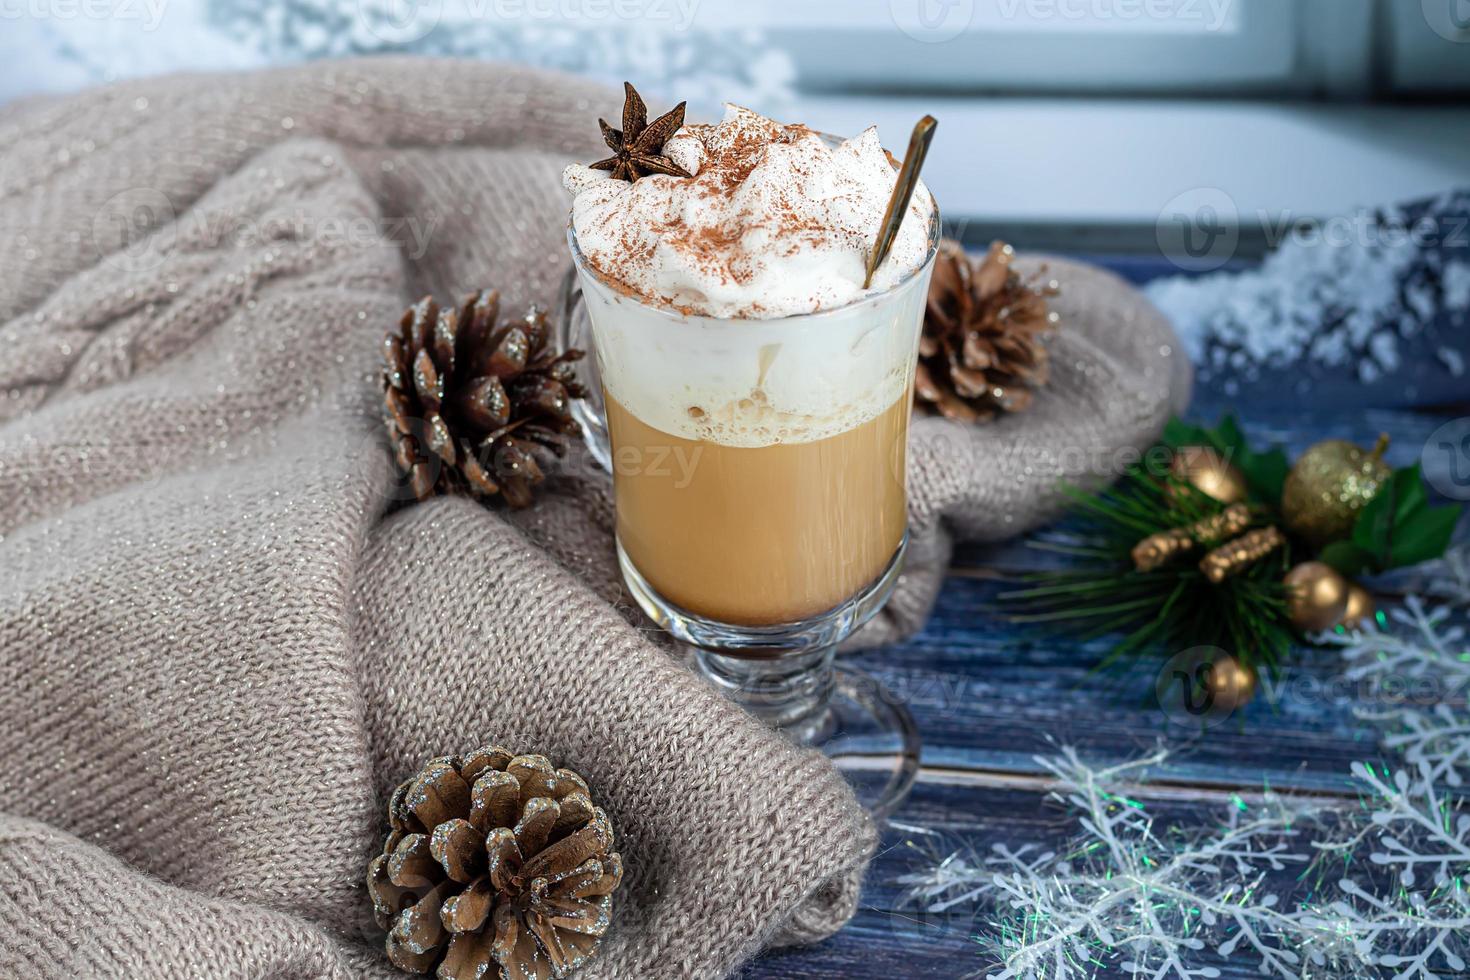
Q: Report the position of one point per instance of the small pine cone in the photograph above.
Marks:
(497, 867)
(469, 405)
(983, 348)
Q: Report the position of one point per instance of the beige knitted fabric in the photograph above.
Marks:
(219, 655)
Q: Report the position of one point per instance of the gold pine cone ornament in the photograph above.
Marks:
(1329, 485)
(497, 867)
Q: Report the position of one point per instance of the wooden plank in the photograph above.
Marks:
(987, 695)
(891, 939)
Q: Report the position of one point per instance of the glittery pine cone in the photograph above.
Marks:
(983, 350)
(470, 405)
(497, 867)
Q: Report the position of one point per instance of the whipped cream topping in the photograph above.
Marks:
(775, 221)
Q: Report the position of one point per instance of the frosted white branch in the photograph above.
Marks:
(1134, 893)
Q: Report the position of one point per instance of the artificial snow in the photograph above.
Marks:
(1341, 295)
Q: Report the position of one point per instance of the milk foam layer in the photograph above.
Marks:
(694, 286)
(774, 222)
(753, 383)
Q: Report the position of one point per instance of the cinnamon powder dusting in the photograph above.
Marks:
(764, 196)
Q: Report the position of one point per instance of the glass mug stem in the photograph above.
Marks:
(790, 693)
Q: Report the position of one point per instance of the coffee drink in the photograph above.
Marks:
(754, 536)
(757, 393)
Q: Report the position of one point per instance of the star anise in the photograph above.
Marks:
(636, 146)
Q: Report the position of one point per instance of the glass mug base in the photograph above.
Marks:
(845, 714)
(785, 675)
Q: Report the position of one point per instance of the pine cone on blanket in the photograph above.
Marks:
(497, 867)
(471, 405)
(983, 349)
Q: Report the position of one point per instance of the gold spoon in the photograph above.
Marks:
(903, 190)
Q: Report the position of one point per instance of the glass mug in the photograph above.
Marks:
(760, 491)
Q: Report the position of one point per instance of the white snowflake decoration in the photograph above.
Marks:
(1423, 839)
(1421, 672)
(1131, 890)
(1447, 579)
(1131, 895)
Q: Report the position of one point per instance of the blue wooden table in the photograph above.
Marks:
(989, 698)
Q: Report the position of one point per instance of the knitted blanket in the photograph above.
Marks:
(222, 647)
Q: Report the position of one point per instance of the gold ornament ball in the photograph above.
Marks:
(1209, 473)
(1329, 485)
(1316, 596)
(1360, 606)
(1232, 683)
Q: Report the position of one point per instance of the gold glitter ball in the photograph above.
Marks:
(1232, 683)
(1316, 596)
(1209, 473)
(1360, 606)
(1328, 487)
